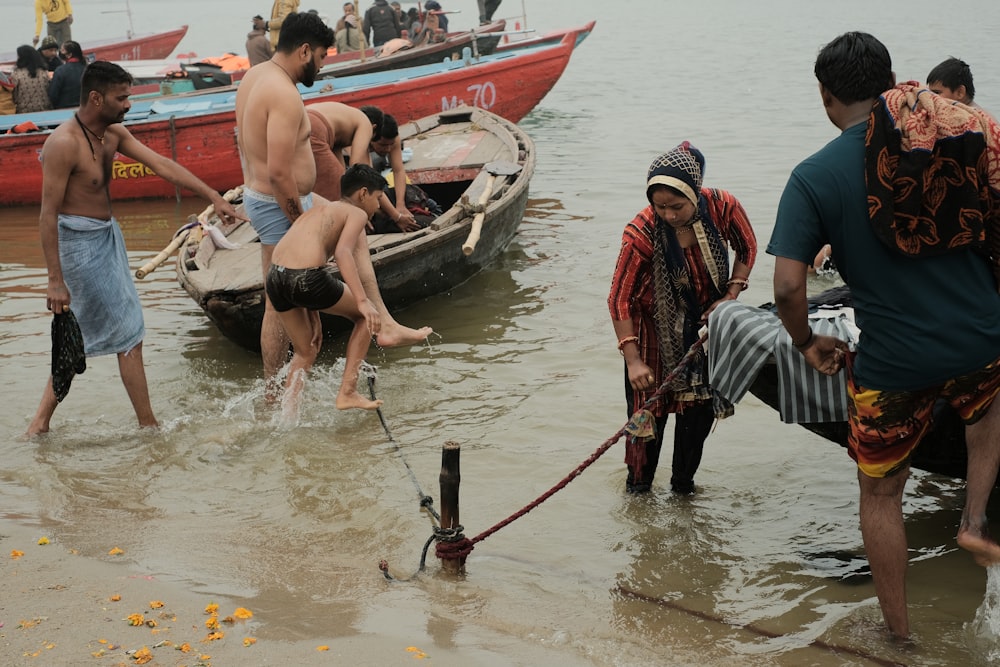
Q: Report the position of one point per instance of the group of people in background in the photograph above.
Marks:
(378, 26)
(47, 77)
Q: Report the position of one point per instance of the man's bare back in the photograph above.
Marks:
(351, 127)
(273, 131)
(312, 244)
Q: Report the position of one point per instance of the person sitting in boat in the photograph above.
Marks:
(381, 24)
(673, 269)
(258, 47)
(64, 89)
(347, 34)
(430, 27)
(301, 280)
(31, 81)
(49, 50)
(387, 148)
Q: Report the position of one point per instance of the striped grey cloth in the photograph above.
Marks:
(743, 338)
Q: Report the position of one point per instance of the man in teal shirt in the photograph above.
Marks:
(930, 327)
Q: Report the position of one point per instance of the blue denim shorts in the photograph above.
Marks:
(267, 217)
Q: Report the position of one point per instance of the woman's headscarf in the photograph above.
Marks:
(682, 169)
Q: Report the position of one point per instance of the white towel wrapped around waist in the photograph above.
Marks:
(104, 298)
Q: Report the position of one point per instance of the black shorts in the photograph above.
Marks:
(315, 288)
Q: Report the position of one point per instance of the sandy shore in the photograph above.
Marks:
(60, 608)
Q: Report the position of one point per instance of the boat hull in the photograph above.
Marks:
(424, 264)
(509, 86)
(139, 47)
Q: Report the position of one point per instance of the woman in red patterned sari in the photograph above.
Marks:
(673, 269)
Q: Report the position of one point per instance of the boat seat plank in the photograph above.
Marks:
(456, 150)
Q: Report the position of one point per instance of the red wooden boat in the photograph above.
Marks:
(152, 46)
(204, 141)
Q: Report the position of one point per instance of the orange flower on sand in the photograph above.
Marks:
(142, 656)
(116, 552)
(242, 613)
(212, 623)
(43, 540)
(136, 619)
(212, 608)
(212, 636)
(249, 641)
(155, 604)
(15, 554)
(184, 648)
(324, 647)
(115, 598)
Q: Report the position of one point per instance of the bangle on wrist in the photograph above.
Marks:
(742, 282)
(625, 341)
(804, 344)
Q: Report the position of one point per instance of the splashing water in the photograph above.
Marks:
(985, 627)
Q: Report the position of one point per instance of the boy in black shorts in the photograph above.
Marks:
(300, 283)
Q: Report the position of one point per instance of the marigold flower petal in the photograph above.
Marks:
(324, 647)
(184, 648)
(115, 551)
(15, 554)
(142, 656)
(155, 604)
(212, 608)
(43, 540)
(249, 641)
(135, 619)
(212, 623)
(243, 613)
(115, 598)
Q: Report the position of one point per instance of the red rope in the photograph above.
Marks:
(465, 545)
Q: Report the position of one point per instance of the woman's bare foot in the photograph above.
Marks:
(396, 335)
(981, 546)
(356, 400)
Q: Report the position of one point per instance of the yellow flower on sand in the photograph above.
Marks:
(15, 554)
(136, 619)
(142, 656)
(115, 598)
(116, 552)
(212, 622)
(184, 648)
(43, 541)
(212, 608)
(249, 641)
(212, 636)
(243, 613)
(324, 647)
(155, 604)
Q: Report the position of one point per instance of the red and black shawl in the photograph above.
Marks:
(933, 173)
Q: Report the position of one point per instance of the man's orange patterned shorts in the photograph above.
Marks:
(885, 426)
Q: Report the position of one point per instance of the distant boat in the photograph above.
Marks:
(186, 74)
(152, 46)
(454, 154)
(199, 130)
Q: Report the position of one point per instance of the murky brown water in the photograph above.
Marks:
(754, 570)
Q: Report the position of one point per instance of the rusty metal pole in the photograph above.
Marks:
(450, 479)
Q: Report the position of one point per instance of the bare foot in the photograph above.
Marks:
(356, 400)
(396, 335)
(35, 429)
(982, 547)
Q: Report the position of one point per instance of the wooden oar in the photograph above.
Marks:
(182, 235)
(494, 169)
